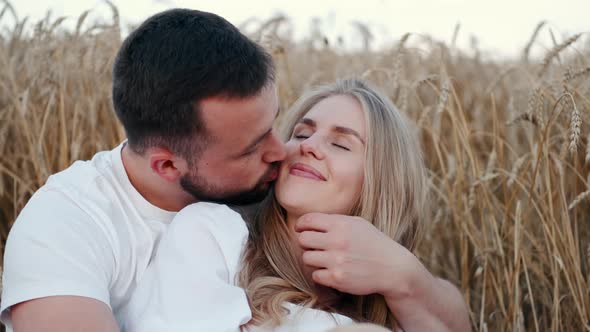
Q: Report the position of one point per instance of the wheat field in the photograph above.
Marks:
(506, 144)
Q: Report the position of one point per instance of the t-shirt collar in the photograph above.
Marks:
(145, 208)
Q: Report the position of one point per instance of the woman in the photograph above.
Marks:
(349, 151)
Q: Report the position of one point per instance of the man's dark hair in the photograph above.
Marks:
(169, 64)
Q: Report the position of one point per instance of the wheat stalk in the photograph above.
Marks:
(529, 45)
(580, 73)
(55, 107)
(555, 51)
(579, 199)
(575, 127)
(516, 169)
(443, 96)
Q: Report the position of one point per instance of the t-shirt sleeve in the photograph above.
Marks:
(54, 248)
(189, 286)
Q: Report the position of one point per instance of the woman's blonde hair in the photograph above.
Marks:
(392, 199)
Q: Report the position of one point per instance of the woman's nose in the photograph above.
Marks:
(312, 147)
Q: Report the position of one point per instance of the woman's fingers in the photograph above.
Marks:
(316, 258)
(319, 222)
(313, 240)
(323, 277)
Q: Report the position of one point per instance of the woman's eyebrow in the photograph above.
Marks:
(338, 129)
(308, 121)
(348, 131)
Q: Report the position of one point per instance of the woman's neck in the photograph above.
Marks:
(328, 297)
(292, 221)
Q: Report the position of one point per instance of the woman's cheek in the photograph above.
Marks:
(291, 146)
(354, 173)
(352, 166)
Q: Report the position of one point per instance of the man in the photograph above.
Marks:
(197, 100)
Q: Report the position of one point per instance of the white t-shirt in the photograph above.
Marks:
(191, 283)
(86, 232)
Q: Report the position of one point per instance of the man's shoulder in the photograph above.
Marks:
(79, 191)
(248, 212)
(82, 175)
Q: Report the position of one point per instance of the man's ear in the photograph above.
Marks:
(166, 164)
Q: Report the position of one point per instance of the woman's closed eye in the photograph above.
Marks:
(337, 144)
(341, 146)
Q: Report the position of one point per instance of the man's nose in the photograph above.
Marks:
(277, 151)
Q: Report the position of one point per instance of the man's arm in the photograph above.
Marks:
(351, 255)
(63, 313)
(189, 284)
(58, 264)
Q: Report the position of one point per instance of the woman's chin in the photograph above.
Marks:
(298, 202)
(295, 208)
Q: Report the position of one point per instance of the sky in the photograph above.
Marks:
(502, 27)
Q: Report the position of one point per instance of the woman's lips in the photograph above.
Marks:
(306, 171)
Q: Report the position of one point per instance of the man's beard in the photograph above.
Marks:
(197, 186)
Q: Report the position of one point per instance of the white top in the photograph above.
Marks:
(191, 283)
(86, 232)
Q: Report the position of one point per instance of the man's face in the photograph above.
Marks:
(240, 160)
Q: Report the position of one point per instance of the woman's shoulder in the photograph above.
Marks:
(302, 319)
(319, 318)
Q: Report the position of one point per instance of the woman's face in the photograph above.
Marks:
(324, 167)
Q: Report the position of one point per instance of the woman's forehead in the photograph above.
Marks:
(336, 111)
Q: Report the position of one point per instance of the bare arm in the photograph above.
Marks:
(55, 249)
(63, 313)
(430, 304)
(352, 256)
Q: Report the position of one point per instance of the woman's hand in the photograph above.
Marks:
(354, 257)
